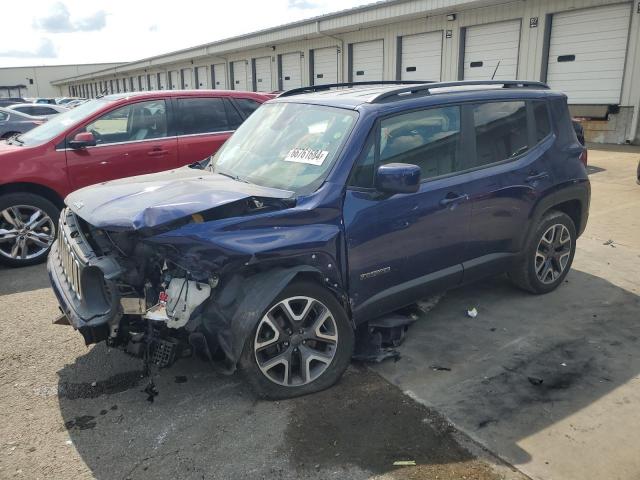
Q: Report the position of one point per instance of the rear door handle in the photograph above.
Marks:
(453, 198)
(534, 177)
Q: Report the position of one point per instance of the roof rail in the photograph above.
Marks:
(425, 88)
(327, 86)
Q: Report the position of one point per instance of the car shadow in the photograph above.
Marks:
(24, 279)
(206, 425)
(525, 362)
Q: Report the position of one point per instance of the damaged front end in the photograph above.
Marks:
(175, 277)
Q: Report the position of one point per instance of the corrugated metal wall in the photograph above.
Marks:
(390, 22)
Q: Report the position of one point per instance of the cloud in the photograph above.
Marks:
(153, 28)
(59, 21)
(302, 4)
(45, 50)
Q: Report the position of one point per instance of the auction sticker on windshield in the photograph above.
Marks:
(306, 155)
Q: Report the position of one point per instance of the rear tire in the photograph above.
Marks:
(302, 344)
(28, 227)
(548, 254)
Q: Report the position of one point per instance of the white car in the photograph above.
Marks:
(38, 110)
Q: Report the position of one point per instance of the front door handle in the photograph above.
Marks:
(534, 177)
(453, 198)
(157, 152)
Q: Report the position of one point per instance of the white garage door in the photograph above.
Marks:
(262, 82)
(142, 80)
(325, 66)
(368, 61)
(486, 45)
(187, 78)
(174, 82)
(291, 72)
(220, 76)
(587, 53)
(162, 80)
(421, 57)
(239, 70)
(203, 78)
(152, 81)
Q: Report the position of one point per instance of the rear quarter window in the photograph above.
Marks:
(541, 117)
(247, 106)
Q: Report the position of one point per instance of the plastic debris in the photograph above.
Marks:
(93, 384)
(473, 312)
(535, 380)
(439, 368)
(609, 242)
(563, 364)
(404, 463)
(69, 442)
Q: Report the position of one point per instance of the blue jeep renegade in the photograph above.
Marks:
(328, 209)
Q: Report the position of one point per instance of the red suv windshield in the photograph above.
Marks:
(62, 122)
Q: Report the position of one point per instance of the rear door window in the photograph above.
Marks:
(500, 131)
(247, 106)
(202, 115)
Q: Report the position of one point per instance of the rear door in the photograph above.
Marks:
(511, 169)
(290, 71)
(239, 75)
(401, 246)
(204, 124)
(131, 140)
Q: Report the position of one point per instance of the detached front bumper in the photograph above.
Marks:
(89, 300)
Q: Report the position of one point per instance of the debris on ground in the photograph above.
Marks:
(404, 463)
(610, 242)
(535, 381)
(473, 312)
(439, 368)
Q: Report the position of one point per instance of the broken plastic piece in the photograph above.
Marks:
(473, 312)
(535, 381)
(439, 368)
(404, 463)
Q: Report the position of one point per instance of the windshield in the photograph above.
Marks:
(290, 146)
(60, 123)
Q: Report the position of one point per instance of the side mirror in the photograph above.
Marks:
(83, 140)
(398, 178)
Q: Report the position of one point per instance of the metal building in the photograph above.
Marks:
(589, 49)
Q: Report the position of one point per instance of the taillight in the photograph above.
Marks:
(583, 157)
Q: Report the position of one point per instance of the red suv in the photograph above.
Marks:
(110, 137)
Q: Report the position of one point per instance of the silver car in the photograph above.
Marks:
(12, 122)
(38, 110)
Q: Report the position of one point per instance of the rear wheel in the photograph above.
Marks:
(548, 255)
(302, 344)
(27, 228)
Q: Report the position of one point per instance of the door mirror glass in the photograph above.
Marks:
(398, 178)
(83, 140)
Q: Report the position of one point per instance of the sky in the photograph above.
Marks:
(56, 32)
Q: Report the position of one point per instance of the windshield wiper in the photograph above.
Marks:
(232, 177)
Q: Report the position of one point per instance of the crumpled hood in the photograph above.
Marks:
(147, 201)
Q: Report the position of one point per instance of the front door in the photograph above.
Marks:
(130, 140)
(400, 247)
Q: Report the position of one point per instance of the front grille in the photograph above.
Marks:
(69, 263)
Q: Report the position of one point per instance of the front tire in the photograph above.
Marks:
(548, 255)
(302, 344)
(28, 225)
